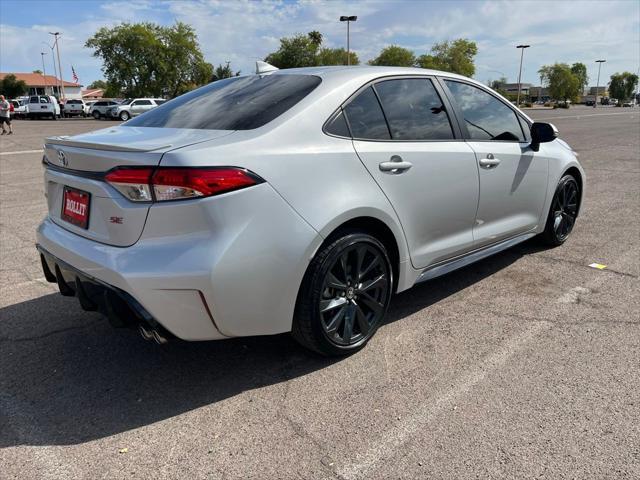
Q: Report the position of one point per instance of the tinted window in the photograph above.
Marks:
(366, 118)
(34, 100)
(338, 126)
(414, 110)
(160, 102)
(142, 102)
(237, 103)
(525, 128)
(486, 117)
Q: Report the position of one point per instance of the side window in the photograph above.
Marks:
(486, 117)
(34, 100)
(525, 128)
(338, 126)
(414, 109)
(365, 117)
(142, 102)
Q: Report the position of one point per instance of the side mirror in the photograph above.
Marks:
(542, 133)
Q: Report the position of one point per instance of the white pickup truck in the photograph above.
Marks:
(75, 107)
(40, 106)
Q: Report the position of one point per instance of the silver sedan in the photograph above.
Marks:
(298, 201)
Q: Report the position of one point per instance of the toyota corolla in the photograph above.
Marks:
(297, 201)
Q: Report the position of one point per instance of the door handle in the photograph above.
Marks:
(489, 162)
(395, 165)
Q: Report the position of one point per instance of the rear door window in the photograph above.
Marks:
(237, 103)
(365, 117)
(485, 117)
(414, 109)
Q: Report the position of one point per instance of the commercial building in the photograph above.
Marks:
(40, 84)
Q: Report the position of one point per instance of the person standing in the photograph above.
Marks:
(5, 115)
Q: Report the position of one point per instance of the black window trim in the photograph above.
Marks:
(453, 120)
(459, 115)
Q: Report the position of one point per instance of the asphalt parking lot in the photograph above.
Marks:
(525, 365)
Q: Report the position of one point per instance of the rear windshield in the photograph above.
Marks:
(237, 103)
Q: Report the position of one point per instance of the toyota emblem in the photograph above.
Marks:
(62, 159)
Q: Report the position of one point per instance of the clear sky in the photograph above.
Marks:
(243, 31)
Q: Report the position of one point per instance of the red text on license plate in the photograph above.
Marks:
(75, 207)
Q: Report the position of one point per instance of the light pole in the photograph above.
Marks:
(55, 35)
(599, 62)
(521, 47)
(55, 69)
(44, 72)
(349, 19)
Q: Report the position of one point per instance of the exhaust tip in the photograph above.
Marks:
(160, 340)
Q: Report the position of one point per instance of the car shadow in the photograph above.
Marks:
(67, 377)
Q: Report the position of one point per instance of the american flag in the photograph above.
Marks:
(75, 77)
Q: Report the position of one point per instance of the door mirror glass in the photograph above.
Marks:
(542, 133)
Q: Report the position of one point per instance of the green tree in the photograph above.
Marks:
(563, 83)
(11, 87)
(224, 71)
(336, 56)
(498, 86)
(395, 56)
(580, 71)
(97, 84)
(544, 73)
(623, 85)
(297, 51)
(455, 56)
(143, 59)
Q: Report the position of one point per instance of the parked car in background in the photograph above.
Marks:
(629, 104)
(132, 107)
(99, 108)
(19, 108)
(75, 107)
(299, 201)
(43, 106)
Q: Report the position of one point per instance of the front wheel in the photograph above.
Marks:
(96, 115)
(344, 295)
(563, 212)
(124, 116)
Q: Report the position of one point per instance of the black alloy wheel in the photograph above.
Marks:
(344, 296)
(563, 212)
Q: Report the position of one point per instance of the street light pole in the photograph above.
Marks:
(55, 69)
(348, 19)
(44, 72)
(55, 35)
(599, 62)
(521, 47)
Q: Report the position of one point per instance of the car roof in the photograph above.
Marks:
(363, 71)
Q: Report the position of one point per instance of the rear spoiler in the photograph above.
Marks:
(63, 140)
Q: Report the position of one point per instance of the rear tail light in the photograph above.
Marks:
(178, 183)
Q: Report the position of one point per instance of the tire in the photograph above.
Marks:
(352, 280)
(563, 212)
(96, 114)
(54, 116)
(124, 116)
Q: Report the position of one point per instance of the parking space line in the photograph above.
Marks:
(19, 152)
(585, 115)
(395, 437)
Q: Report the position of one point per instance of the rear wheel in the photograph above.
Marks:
(344, 295)
(124, 116)
(563, 212)
(96, 114)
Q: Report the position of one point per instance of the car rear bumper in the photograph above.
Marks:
(210, 269)
(118, 306)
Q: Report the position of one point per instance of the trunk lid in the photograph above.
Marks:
(79, 163)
